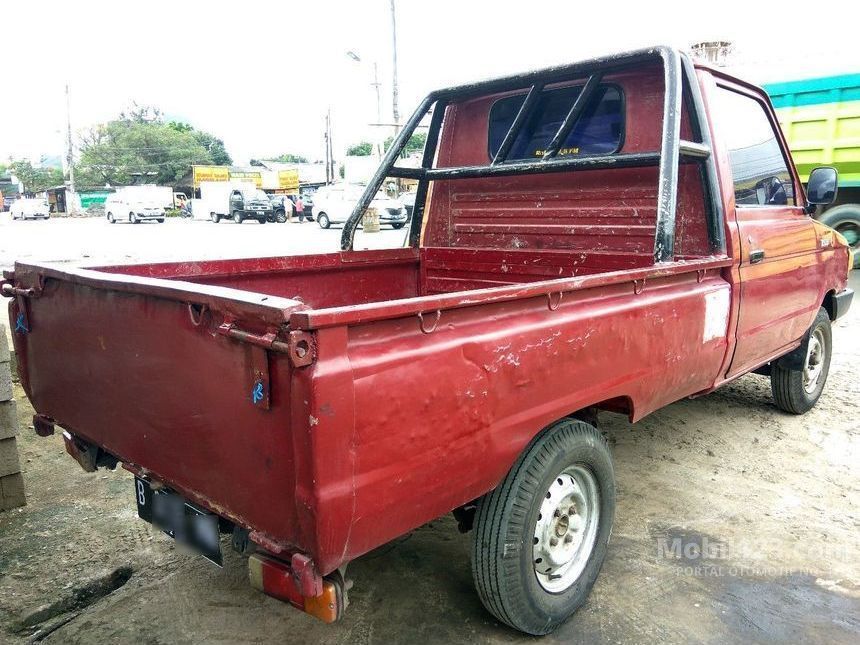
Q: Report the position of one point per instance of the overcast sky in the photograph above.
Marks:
(261, 75)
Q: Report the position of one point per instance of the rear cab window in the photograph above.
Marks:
(600, 129)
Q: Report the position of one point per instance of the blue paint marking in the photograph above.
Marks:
(257, 392)
(20, 327)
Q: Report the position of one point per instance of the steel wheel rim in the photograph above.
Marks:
(566, 529)
(813, 366)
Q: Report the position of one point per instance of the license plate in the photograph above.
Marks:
(188, 524)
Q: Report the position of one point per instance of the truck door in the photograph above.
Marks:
(780, 276)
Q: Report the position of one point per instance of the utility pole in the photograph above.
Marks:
(70, 159)
(326, 137)
(395, 110)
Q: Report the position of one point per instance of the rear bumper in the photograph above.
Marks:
(842, 303)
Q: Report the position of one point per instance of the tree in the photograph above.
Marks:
(35, 179)
(363, 149)
(415, 144)
(139, 147)
(288, 158)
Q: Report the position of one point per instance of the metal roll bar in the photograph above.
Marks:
(672, 148)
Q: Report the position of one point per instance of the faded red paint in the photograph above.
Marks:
(430, 368)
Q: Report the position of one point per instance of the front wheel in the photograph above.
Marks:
(215, 217)
(237, 217)
(132, 217)
(397, 227)
(541, 536)
(323, 221)
(111, 218)
(281, 217)
(797, 385)
(161, 220)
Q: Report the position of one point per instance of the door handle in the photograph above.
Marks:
(756, 256)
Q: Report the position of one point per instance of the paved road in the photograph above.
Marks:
(94, 241)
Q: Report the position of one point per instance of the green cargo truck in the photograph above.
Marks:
(821, 120)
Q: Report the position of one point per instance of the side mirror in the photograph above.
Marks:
(822, 186)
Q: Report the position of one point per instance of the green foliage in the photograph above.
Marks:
(363, 149)
(35, 179)
(415, 144)
(288, 158)
(139, 147)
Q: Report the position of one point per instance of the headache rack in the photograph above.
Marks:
(680, 85)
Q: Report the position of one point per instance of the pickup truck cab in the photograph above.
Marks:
(604, 237)
(250, 204)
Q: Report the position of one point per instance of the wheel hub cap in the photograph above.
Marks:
(814, 365)
(566, 528)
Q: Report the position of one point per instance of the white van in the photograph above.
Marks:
(334, 204)
(136, 204)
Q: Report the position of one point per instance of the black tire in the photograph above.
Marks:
(793, 391)
(398, 226)
(237, 217)
(111, 218)
(215, 217)
(161, 220)
(133, 218)
(323, 221)
(846, 220)
(281, 217)
(262, 220)
(503, 540)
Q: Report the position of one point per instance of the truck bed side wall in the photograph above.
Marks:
(393, 444)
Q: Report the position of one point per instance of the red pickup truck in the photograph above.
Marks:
(612, 235)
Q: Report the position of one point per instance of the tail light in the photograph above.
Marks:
(275, 578)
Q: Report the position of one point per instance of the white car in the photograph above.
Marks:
(134, 204)
(334, 204)
(28, 208)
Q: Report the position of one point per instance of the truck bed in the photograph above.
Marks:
(160, 362)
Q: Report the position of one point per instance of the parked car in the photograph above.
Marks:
(408, 200)
(247, 203)
(135, 204)
(29, 208)
(319, 406)
(307, 194)
(334, 204)
(282, 208)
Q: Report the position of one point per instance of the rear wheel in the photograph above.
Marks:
(397, 226)
(161, 220)
(846, 220)
(323, 221)
(237, 217)
(797, 389)
(541, 536)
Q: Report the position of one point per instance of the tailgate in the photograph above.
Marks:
(188, 382)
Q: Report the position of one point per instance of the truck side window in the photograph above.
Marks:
(599, 131)
(759, 170)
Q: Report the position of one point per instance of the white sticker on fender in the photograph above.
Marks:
(716, 314)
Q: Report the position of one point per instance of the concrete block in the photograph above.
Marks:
(5, 382)
(8, 419)
(4, 344)
(12, 492)
(9, 464)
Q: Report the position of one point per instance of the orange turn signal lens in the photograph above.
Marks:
(275, 578)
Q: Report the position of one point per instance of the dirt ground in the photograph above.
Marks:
(761, 506)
